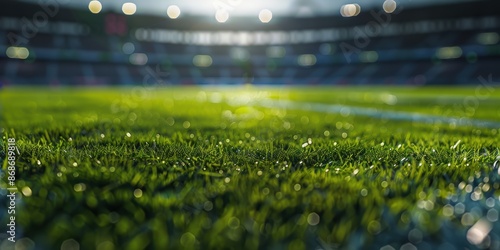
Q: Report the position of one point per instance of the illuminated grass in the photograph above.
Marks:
(202, 168)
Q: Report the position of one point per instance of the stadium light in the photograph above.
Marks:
(129, 8)
(95, 6)
(389, 6)
(173, 11)
(221, 16)
(265, 16)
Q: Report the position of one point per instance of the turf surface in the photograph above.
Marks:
(208, 168)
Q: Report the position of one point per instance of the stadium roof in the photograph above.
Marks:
(290, 8)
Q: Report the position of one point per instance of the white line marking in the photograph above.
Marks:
(375, 113)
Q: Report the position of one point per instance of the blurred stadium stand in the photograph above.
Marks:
(441, 44)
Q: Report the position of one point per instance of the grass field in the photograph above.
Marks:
(243, 168)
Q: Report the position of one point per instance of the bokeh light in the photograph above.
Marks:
(128, 48)
(306, 60)
(202, 61)
(449, 52)
(129, 8)
(95, 6)
(17, 52)
(173, 11)
(350, 10)
(389, 6)
(265, 16)
(138, 59)
(221, 16)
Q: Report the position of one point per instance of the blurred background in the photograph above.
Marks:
(230, 42)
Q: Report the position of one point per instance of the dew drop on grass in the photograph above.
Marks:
(492, 215)
(26, 191)
(75, 164)
(128, 134)
(313, 219)
(364, 192)
(38, 162)
(448, 210)
(102, 136)
(208, 206)
(459, 208)
(297, 187)
(490, 202)
(138, 193)
(80, 187)
(227, 180)
(374, 227)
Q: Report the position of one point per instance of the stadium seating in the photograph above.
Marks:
(80, 48)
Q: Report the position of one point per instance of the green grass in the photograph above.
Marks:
(203, 168)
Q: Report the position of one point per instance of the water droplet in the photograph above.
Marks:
(128, 134)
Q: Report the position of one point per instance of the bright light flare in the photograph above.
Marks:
(129, 8)
(95, 6)
(173, 11)
(265, 16)
(221, 16)
(389, 6)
